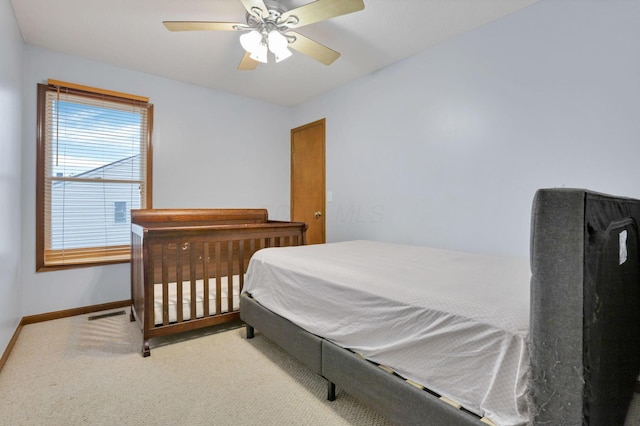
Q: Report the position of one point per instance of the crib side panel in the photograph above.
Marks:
(198, 273)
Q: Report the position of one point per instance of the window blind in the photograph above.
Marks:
(94, 167)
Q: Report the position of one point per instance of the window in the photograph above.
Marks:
(93, 167)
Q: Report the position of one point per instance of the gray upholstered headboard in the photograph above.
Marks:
(585, 306)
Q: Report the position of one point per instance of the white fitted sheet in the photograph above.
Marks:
(454, 322)
(199, 296)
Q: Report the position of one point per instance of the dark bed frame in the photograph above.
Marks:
(584, 328)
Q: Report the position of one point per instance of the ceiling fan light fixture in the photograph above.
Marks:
(251, 40)
(260, 53)
(283, 55)
(278, 45)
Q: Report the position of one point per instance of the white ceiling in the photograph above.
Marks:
(130, 34)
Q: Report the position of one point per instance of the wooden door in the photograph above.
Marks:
(308, 179)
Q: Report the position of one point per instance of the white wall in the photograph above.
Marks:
(10, 142)
(447, 148)
(210, 149)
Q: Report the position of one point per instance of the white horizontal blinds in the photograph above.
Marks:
(94, 173)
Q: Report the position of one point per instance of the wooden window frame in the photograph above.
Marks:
(76, 258)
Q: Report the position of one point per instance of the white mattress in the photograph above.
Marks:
(199, 296)
(454, 322)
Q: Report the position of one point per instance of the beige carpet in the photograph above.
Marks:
(76, 371)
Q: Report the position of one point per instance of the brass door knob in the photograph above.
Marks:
(317, 214)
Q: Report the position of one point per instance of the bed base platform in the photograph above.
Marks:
(400, 401)
(188, 265)
(389, 394)
(305, 347)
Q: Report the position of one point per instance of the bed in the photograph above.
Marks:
(551, 340)
(188, 265)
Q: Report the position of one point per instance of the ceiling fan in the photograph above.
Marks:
(269, 27)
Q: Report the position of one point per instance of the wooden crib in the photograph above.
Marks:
(188, 266)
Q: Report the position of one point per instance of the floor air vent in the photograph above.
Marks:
(107, 315)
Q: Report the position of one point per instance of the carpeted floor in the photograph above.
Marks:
(77, 371)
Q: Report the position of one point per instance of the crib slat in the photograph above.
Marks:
(179, 300)
(205, 278)
(230, 275)
(192, 278)
(165, 285)
(218, 279)
(241, 263)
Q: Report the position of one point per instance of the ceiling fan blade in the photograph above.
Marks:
(320, 10)
(204, 26)
(247, 64)
(313, 49)
(252, 4)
